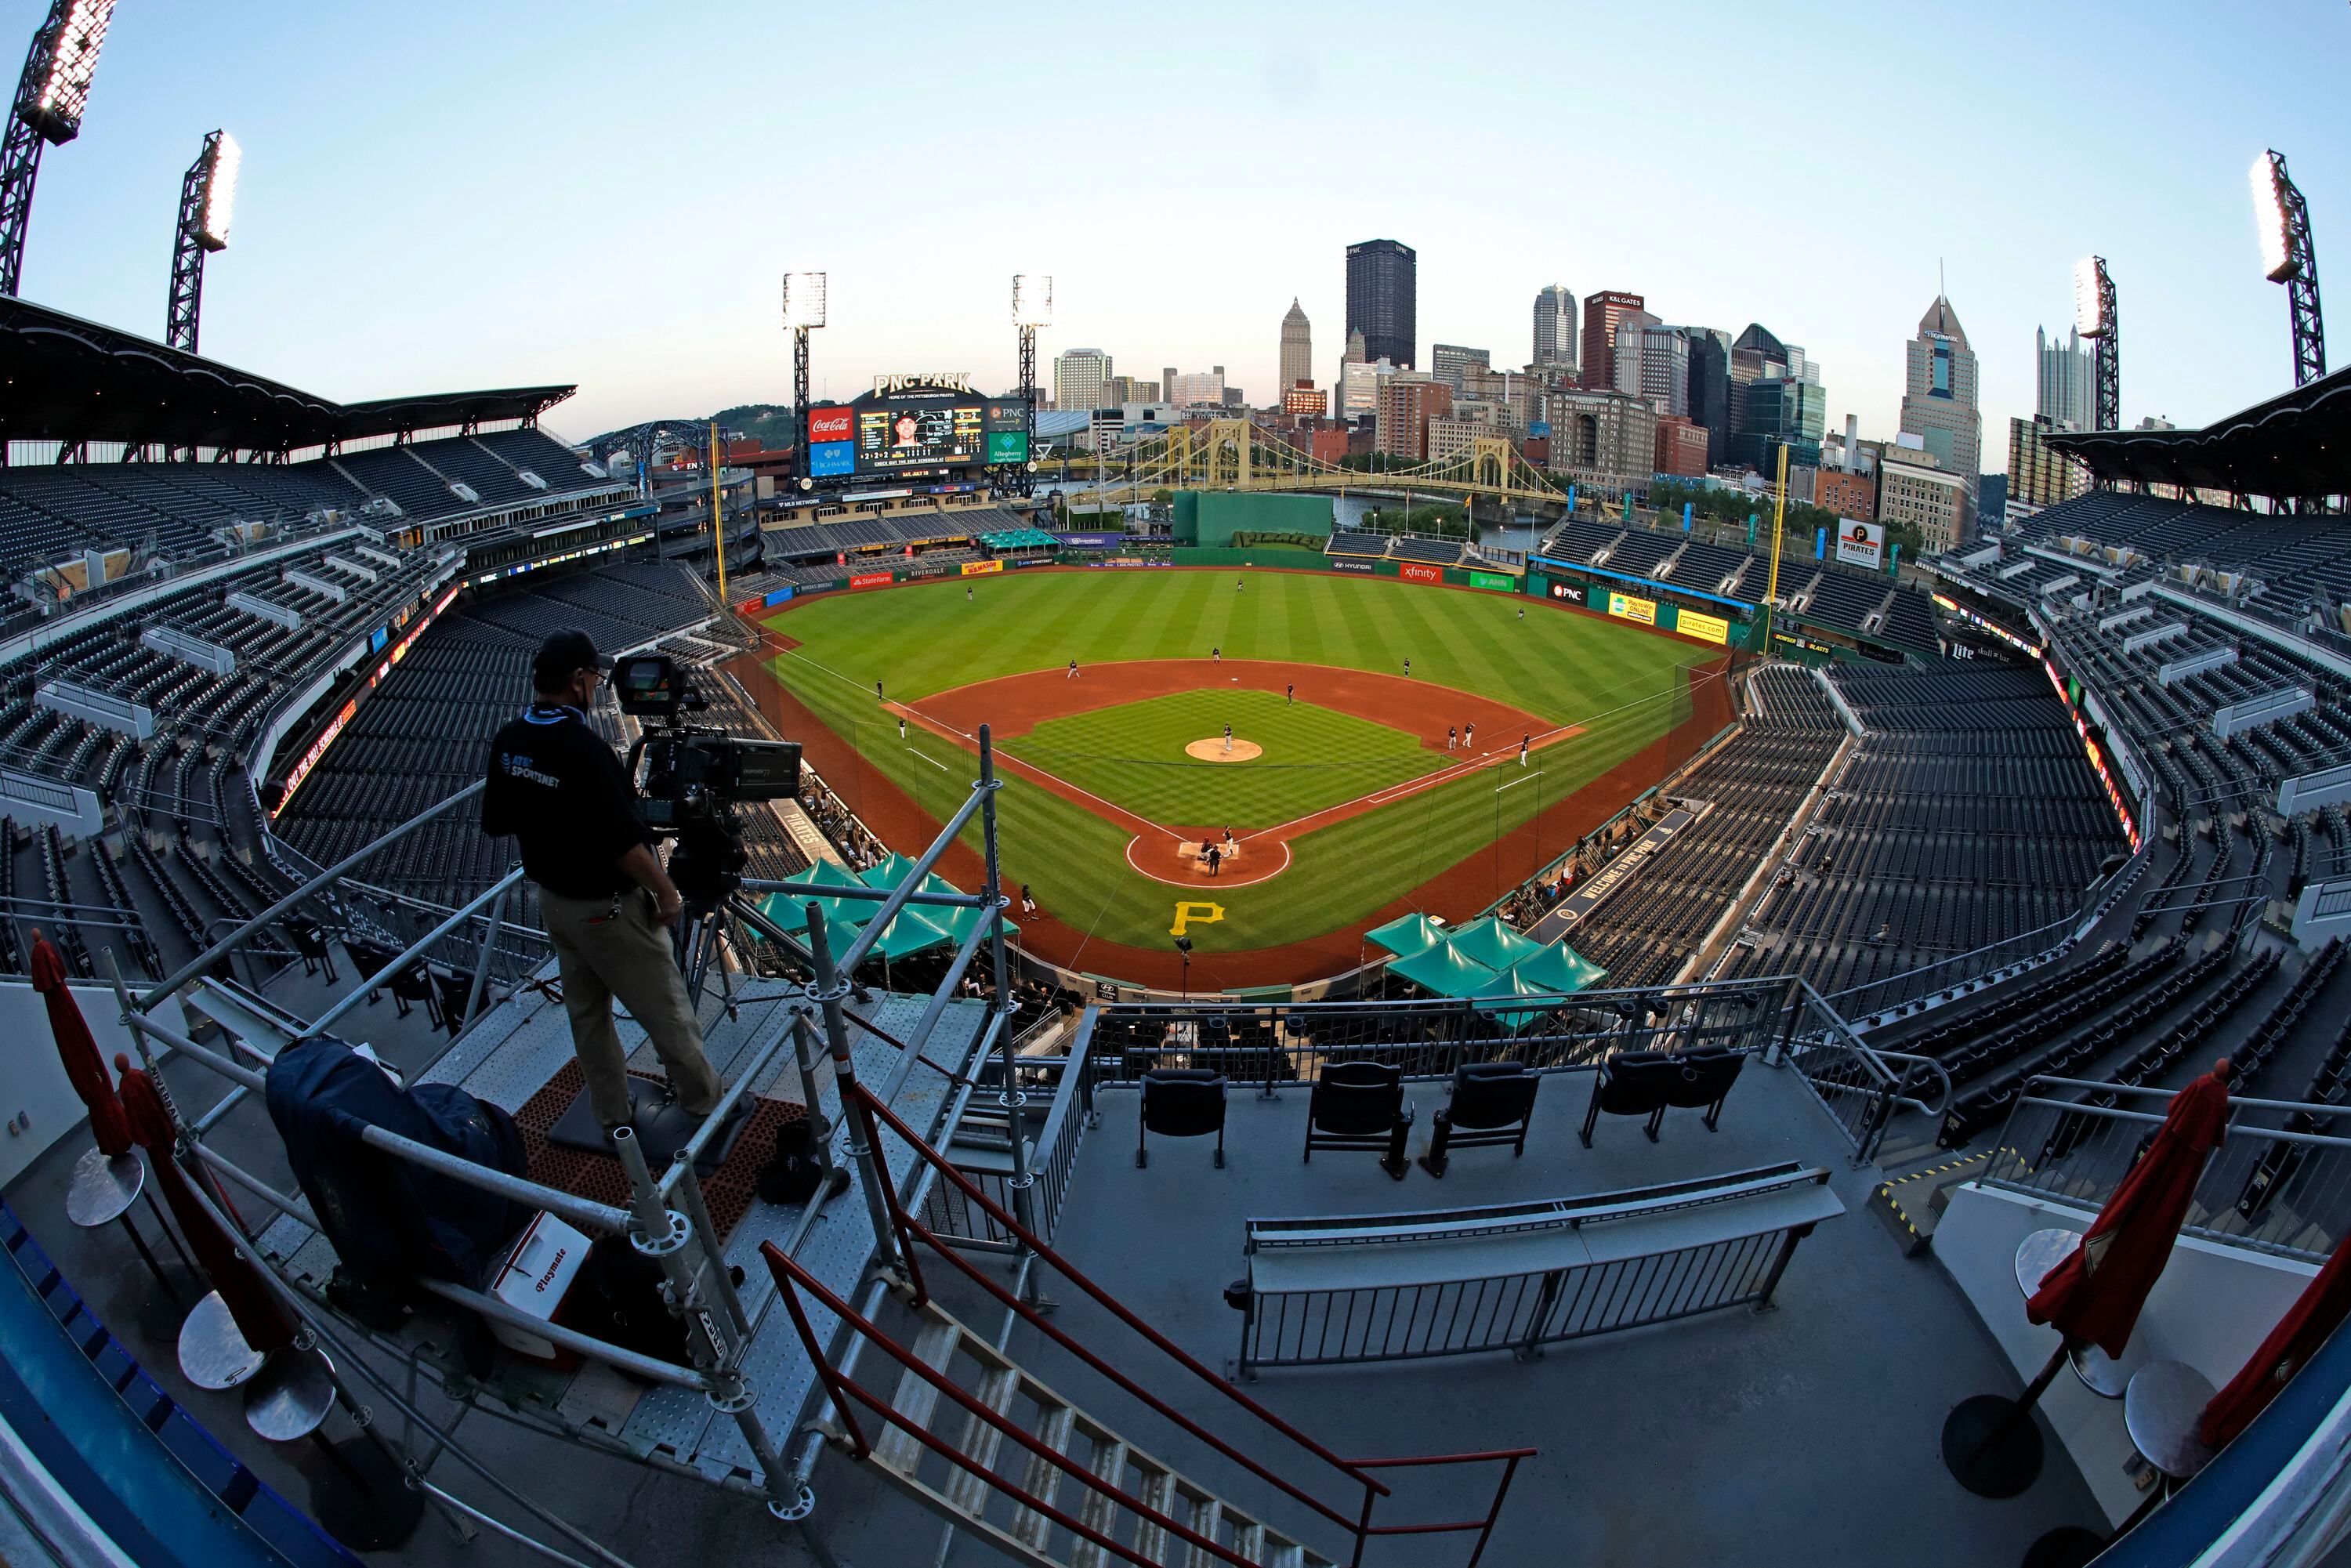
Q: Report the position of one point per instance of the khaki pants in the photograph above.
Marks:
(603, 956)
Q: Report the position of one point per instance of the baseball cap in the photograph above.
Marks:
(563, 653)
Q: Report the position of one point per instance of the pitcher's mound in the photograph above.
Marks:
(1213, 750)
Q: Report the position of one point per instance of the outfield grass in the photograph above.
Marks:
(1623, 686)
(1133, 755)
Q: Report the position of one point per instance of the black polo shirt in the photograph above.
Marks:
(555, 785)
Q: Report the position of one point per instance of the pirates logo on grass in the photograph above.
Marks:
(1193, 913)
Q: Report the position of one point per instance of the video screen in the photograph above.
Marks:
(916, 435)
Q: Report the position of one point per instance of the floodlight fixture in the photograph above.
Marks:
(220, 163)
(803, 301)
(2091, 293)
(65, 60)
(1032, 299)
(2278, 260)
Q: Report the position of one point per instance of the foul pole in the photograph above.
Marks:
(1779, 527)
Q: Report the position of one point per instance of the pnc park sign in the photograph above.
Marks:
(954, 381)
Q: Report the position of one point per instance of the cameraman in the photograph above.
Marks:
(557, 787)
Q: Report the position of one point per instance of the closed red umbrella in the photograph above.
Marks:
(2315, 1313)
(248, 1301)
(2094, 1297)
(84, 1067)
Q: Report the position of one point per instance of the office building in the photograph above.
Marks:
(1847, 492)
(1408, 400)
(1359, 387)
(1653, 361)
(2066, 383)
(1304, 401)
(1709, 395)
(1447, 361)
(1914, 488)
(1455, 435)
(1680, 447)
(1122, 390)
(1235, 397)
(1197, 389)
(1297, 350)
(1604, 313)
(1938, 400)
(1080, 377)
(1781, 412)
(1557, 328)
(1167, 383)
(1517, 392)
(1603, 436)
(2039, 476)
(1382, 294)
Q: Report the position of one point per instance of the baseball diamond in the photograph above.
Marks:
(1355, 810)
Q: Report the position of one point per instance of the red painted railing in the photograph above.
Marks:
(846, 1393)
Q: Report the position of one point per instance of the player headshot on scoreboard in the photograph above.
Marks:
(908, 427)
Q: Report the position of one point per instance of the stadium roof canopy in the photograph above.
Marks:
(2298, 443)
(69, 379)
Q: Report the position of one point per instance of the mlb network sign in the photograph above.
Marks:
(1861, 544)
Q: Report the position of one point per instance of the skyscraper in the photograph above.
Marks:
(2065, 384)
(1653, 361)
(1938, 400)
(1709, 389)
(1297, 350)
(1080, 376)
(1383, 291)
(1603, 314)
(1557, 327)
(1447, 361)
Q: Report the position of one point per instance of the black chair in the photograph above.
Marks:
(1181, 1102)
(1493, 1102)
(1360, 1105)
(1649, 1083)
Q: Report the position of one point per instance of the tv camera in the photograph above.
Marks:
(696, 775)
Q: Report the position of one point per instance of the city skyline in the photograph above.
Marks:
(382, 249)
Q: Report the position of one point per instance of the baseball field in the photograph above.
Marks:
(1350, 789)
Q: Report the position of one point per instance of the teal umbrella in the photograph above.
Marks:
(1493, 944)
(1559, 967)
(913, 930)
(1445, 969)
(1510, 985)
(1407, 935)
(788, 909)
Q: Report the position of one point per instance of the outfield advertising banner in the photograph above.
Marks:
(1007, 447)
(1861, 544)
(981, 568)
(1708, 628)
(1644, 611)
(829, 459)
(1566, 591)
(1494, 579)
(1420, 572)
(1091, 541)
(1363, 565)
(832, 425)
(873, 580)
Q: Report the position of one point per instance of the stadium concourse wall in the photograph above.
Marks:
(1210, 518)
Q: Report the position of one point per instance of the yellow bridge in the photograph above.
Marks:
(1236, 454)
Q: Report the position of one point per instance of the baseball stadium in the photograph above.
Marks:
(919, 979)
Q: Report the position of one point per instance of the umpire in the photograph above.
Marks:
(555, 785)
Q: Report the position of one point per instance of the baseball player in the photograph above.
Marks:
(1524, 741)
(1229, 740)
(1290, 694)
(1452, 735)
(1073, 671)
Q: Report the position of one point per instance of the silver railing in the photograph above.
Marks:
(982, 1150)
(1861, 1087)
(1577, 1279)
(2283, 1188)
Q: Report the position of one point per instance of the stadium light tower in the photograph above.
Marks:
(803, 313)
(2288, 257)
(207, 204)
(50, 97)
(2094, 317)
(1032, 307)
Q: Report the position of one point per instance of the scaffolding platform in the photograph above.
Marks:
(511, 1052)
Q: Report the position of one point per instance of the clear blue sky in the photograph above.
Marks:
(515, 191)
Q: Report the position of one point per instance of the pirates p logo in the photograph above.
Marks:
(1195, 914)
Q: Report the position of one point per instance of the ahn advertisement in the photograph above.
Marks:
(1420, 572)
(1861, 544)
(1007, 447)
(918, 434)
(1644, 611)
(1706, 628)
(1494, 579)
